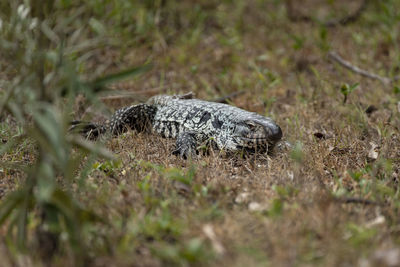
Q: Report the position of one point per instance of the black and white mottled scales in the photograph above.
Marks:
(192, 122)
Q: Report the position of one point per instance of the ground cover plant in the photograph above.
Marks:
(328, 195)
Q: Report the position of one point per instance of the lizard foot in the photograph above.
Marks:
(185, 146)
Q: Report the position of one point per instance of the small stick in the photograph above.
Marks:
(137, 95)
(122, 96)
(226, 98)
(188, 95)
(350, 18)
(330, 23)
(119, 94)
(385, 80)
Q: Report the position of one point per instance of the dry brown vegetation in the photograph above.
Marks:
(328, 195)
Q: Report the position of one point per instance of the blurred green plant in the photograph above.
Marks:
(297, 153)
(323, 39)
(298, 41)
(39, 43)
(109, 167)
(191, 252)
(358, 235)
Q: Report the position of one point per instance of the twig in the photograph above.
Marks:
(228, 97)
(137, 95)
(331, 23)
(119, 94)
(122, 96)
(385, 80)
(188, 95)
(350, 18)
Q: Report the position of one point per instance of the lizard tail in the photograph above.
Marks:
(89, 130)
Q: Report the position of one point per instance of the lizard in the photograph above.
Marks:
(192, 122)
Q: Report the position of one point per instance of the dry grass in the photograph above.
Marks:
(279, 210)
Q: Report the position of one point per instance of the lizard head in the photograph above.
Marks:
(257, 132)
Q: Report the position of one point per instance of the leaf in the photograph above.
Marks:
(353, 87)
(48, 133)
(297, 153)
(45, 185)
(97, 26)
(132, 72)
(64, 204)
(90, 147)
(22, 221)
(10, 204)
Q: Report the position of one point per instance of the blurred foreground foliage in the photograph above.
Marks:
(44, 50)
(43, 45)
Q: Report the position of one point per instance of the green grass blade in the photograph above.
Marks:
(8, 205)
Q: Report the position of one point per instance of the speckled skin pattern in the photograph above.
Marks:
(195, 122)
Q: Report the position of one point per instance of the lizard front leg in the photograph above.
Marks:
(186, 145)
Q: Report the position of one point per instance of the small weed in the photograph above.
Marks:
(360, 236)
(324, 44)
(297, 153)
(285, 191)
(298, 41)
(347, 89)
(276, 208)
(191, 252)
(396, 90)
(109, 167)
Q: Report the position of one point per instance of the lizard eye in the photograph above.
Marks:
(251, 125)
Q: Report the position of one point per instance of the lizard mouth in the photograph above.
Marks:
(253, 139)
(263, 136)
(253, 142)
(262, 131)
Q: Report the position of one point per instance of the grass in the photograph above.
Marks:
(145, 207)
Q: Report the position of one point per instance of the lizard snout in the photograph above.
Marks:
(271, 131)
(275, 133)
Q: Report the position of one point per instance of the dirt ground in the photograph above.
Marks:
(328, 195)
